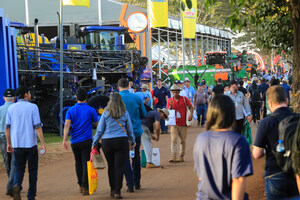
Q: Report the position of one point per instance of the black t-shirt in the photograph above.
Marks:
(267, 138)
(149, 120)
(243, 90)
(218, 89)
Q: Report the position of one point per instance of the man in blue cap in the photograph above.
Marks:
(9, 98)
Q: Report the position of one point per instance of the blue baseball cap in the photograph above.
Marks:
(200, 84)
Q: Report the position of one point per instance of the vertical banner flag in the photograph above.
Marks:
(189, 20)
(85, 3)
(158, 13)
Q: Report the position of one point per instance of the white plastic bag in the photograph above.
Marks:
(172, 119)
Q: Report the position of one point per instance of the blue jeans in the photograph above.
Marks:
(21, 156)
(162, 121)
(133, 175)
(280, 186)
(9, 160)
(201, 111)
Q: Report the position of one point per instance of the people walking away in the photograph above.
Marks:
(148, 95)
(161, 93)
(23, 124)
(242, 89)
(222, 158)
(218, 89)
(189, 90)
(81, 118)
(115, 129)
(256, 97)
(8, 159)
(153, 116)
(278, 185)
(200, 103)
(136, 111)
(241, 103)
(286, 87)
(180, 105)
(141, 94)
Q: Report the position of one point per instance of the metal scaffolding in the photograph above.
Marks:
(167, 46)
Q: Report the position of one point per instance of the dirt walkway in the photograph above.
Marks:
(174, 181)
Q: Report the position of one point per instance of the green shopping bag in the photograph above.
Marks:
(143, 158)
(247, 132)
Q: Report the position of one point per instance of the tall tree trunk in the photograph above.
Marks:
(295, 14)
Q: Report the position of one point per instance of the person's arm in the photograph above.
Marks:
(143, 110)
(8, 140)
(66, 132)
(129, 129)
(298, 182)
(100, 130)
(238, 188)
(39, 132)
(191, 108)
(157, 131)
(247, 109)
(257, 152)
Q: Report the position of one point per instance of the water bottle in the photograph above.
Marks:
(280, 147)
(131, 153)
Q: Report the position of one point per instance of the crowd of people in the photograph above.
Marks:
(136, 116)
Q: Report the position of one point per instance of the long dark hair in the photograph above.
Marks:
(221, 113)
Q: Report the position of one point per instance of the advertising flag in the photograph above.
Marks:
(85, 3)
(158, 13)
(189, 20)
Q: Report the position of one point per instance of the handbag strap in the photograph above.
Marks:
(121, 126)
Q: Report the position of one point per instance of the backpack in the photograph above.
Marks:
(255, 95)
(286, 132)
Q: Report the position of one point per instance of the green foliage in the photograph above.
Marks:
(182, 6)
(189, 4)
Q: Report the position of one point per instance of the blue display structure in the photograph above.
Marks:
(8, 56)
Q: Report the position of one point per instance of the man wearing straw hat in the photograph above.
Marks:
(180, 105)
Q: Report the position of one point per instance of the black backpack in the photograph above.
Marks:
(255, 95)
(286, 131)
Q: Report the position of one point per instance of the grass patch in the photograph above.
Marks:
(53, 138)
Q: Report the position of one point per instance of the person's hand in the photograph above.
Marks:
(171, 102)
(133, 145)
(65, 145)
(43, 147)
(154, 138)
(190, 117)
(249, 118)
(9, 148)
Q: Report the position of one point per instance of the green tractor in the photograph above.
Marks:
(215, 67)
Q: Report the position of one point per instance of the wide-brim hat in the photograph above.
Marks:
(175, 88)
(145, 86)
(165, 111)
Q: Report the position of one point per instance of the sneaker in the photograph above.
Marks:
(151, 165)
(130, 189)
(9, 192)
(173, 159)
(137, 187)
(180, 159)
(85, 192)
(16, 193)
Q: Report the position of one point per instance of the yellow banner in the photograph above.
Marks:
(85, 3)
(189, 20)
(158, 13)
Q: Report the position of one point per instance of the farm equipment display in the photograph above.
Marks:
(94, 58)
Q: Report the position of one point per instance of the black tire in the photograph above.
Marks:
(55, 114)
(98, 102)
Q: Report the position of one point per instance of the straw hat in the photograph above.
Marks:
(175, 88)
(165, 111)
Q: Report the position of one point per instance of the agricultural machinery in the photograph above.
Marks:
(94, 58)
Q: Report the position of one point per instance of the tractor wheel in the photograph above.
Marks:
(98, 102)
(55, 114)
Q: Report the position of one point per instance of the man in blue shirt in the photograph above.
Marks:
(287, 88)
(136, 110)
(23, 124)
(9, 98)
(189, 90)
(148, 95)
(81, 117)
(161, 93)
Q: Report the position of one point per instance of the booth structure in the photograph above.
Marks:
(8, 55)
(166, 43)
